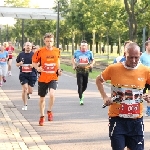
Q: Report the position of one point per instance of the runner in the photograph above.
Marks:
(5, 44)
(126, 113)
(122, 58)
(82, 62)
(27, 75)
(3, 64)
(145, 60)
(10, 50)
(49, 69)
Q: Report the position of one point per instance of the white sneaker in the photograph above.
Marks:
(24, 108)
(146, 115)
(9, 73)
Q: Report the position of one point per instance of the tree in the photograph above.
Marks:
(17, 3)
(133, 9)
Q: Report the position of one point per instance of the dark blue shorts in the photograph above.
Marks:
(126, 132)
(27, 78)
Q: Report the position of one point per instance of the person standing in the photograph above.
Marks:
(82, 62)
(3, 64)
(145, 60)
(126, 112)
(10, 50)
(46, 60)
(27, 74)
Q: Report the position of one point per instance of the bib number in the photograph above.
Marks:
(129, 110)
(26, 69)
(49, 68)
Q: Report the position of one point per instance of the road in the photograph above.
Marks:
(74, 127)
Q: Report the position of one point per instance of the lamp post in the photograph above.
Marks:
(22, 34)
(93, 48)
(57, 30)
(143, 48)
(0, 36)
(7, 33)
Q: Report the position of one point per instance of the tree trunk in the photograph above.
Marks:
(119, 45)
(96, 47)
(132, 23)
(111, 48)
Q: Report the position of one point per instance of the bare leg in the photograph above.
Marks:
(0, 78)
(51, 99)
(30, 89)
(42, 105)
(24, 93)
(9, 64)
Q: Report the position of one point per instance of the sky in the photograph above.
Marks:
(40, 3)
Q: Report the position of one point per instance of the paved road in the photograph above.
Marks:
(74, 127)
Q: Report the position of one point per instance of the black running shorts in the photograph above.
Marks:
(44, 87)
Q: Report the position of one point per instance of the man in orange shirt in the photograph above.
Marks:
(49, 59)
(126, 111)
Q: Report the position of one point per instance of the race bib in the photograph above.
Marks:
(129, 110)
(26, 68)
(2, 59)
(9, 52)
(49, 68)
(83, 60)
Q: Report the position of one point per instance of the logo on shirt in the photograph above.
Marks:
(141, 79)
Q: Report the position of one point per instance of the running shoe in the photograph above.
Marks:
(50, 116)
(41, 121)
(9, 73)
(4, 80)
(28, 96)
(81, 100)
(24, 107)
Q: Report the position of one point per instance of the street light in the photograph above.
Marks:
(93, 33)
(0, 36)
(7, 33)
(57, 30)
(143, 47)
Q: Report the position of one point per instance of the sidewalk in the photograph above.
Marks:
(16, 133)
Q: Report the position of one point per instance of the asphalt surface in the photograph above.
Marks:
(74, 127)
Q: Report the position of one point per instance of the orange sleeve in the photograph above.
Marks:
(36, 56)
(148, 78)
(106, 74)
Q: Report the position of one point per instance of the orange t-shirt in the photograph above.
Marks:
(127, 87)
(48, 59)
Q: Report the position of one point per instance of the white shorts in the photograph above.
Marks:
(3, 70)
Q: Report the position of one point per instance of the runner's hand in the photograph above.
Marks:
(74, 67)
(91, 65)
(107, 100)
(146, 97)
(39, 69)
(30, 65)
(21, 63)
(59, 72)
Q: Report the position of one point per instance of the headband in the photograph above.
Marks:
(83, 44)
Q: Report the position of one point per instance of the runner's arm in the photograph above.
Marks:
(18, 62)
(73, 63)
(99, 83)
